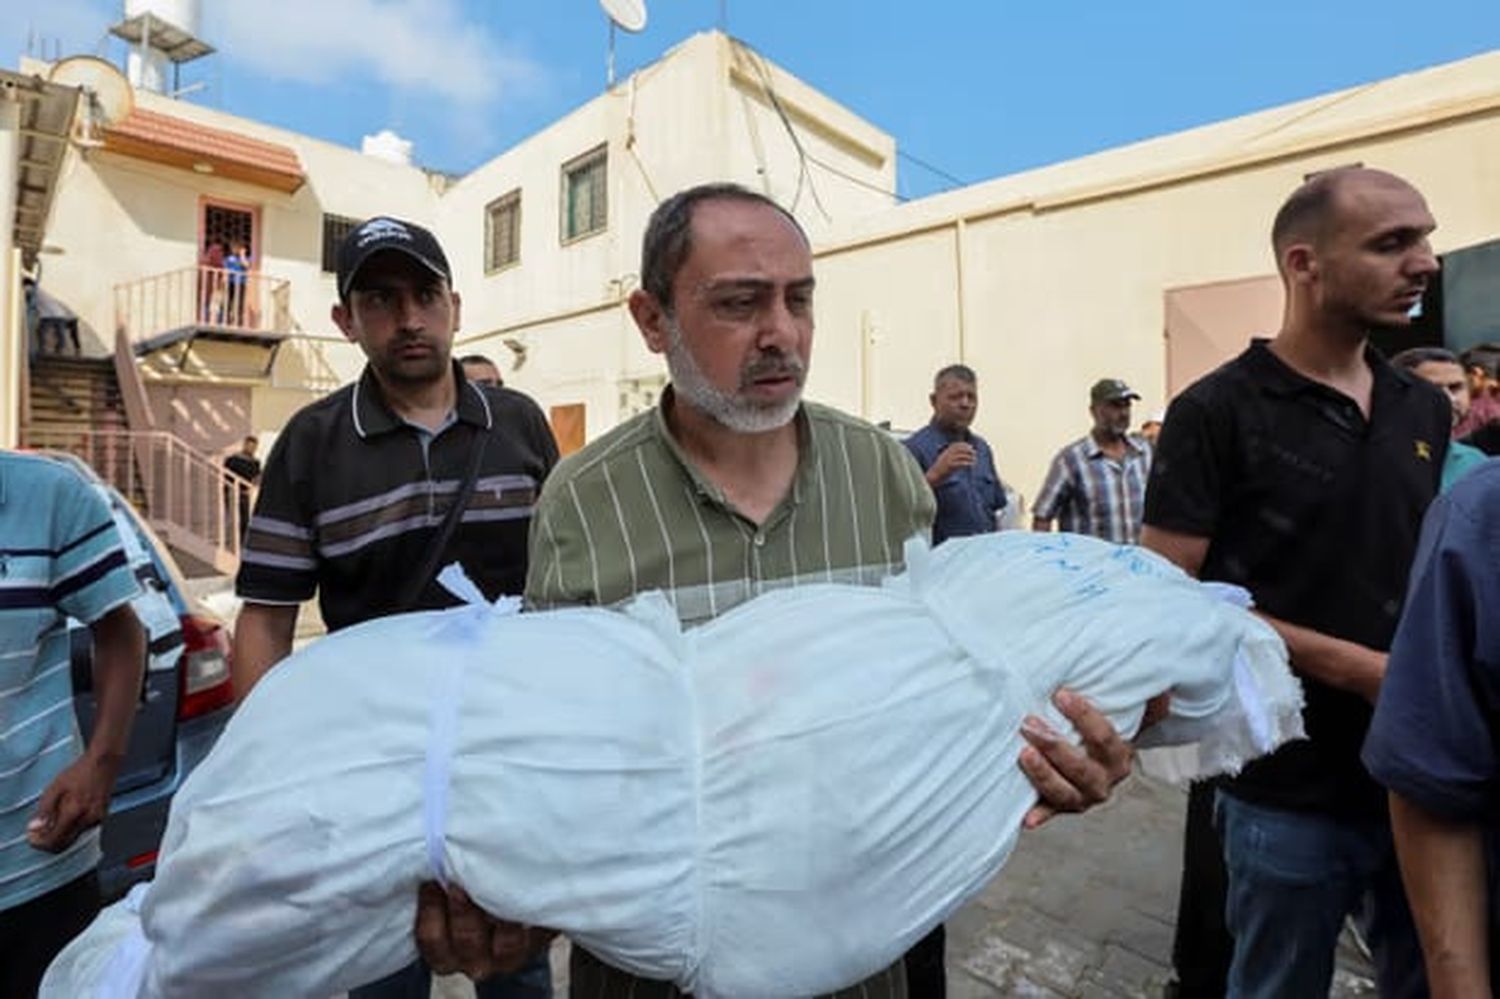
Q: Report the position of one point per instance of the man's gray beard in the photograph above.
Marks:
(738, 414)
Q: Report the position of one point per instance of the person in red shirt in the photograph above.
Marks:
(1482, 368)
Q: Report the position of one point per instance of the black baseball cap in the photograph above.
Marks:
(1111, 390)
(385, 233)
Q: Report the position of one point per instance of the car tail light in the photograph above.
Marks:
(205, 685)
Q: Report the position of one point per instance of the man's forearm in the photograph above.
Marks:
(1042, 524)
(1335, 661)
(1443, 868)
(119, 663)
(262, 638)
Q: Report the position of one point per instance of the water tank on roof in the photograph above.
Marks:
(162, 35)
(387, 145)
(184, 14)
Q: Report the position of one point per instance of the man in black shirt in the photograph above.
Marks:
(244, 464)
(1300, 470)
(360, 483)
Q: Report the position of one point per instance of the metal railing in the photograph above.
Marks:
(196, 504)
(204, 297)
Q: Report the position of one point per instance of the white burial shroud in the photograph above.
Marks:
(778, 802)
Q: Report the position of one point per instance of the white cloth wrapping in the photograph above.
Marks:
(778, 802)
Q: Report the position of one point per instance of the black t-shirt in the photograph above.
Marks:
(352, 498)
(1316, 511)
(243, 465)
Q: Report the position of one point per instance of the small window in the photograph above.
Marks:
(502, 232)
(585, 205)
(335, 228)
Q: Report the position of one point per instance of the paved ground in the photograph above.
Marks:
(1084, 909)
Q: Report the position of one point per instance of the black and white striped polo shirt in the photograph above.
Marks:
(352, 497)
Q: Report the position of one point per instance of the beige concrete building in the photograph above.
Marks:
(544, 239)
(128, 226)
(1148, 262)
(545, 276)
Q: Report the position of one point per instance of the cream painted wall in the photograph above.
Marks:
(870, 343)
(1055, 299)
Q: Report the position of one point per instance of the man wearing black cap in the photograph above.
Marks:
(371, 489)
(1097, 485)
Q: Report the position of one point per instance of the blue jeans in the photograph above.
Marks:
(415, 982)
(1293, 878)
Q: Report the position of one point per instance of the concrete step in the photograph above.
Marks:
(75, 394)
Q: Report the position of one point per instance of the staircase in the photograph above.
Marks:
(71, 397)
(75, 393)
(77, 406)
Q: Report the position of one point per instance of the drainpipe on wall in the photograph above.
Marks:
(13, 345)
(960, 237)
(13, 348)
(866, 342)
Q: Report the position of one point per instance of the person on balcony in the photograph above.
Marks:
(238, 266)
(211, 282)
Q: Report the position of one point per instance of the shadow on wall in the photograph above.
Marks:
(304, 365)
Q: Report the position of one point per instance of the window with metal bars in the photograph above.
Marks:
(585, 202)
(502, 232)
(335, 228)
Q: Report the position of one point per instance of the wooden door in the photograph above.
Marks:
(1209, 324)
(569, 426)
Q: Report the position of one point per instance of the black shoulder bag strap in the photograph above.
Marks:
(416, 584)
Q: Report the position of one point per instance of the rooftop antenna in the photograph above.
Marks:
(107, 96)
(627, 15)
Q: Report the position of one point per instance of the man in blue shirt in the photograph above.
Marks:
(60, 557)
(1432, 741)
(958, 463)
(960, 468)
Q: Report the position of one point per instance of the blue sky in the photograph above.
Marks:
(977, 88)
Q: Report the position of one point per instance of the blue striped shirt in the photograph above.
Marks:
(1088, 492)
(60, 556)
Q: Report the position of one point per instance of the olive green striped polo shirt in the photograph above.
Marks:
(630, 513)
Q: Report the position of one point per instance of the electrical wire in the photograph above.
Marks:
(803, 158)
(955, 181)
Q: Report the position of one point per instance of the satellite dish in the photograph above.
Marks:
(627, 15)
(108, 96)
(630, 15)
